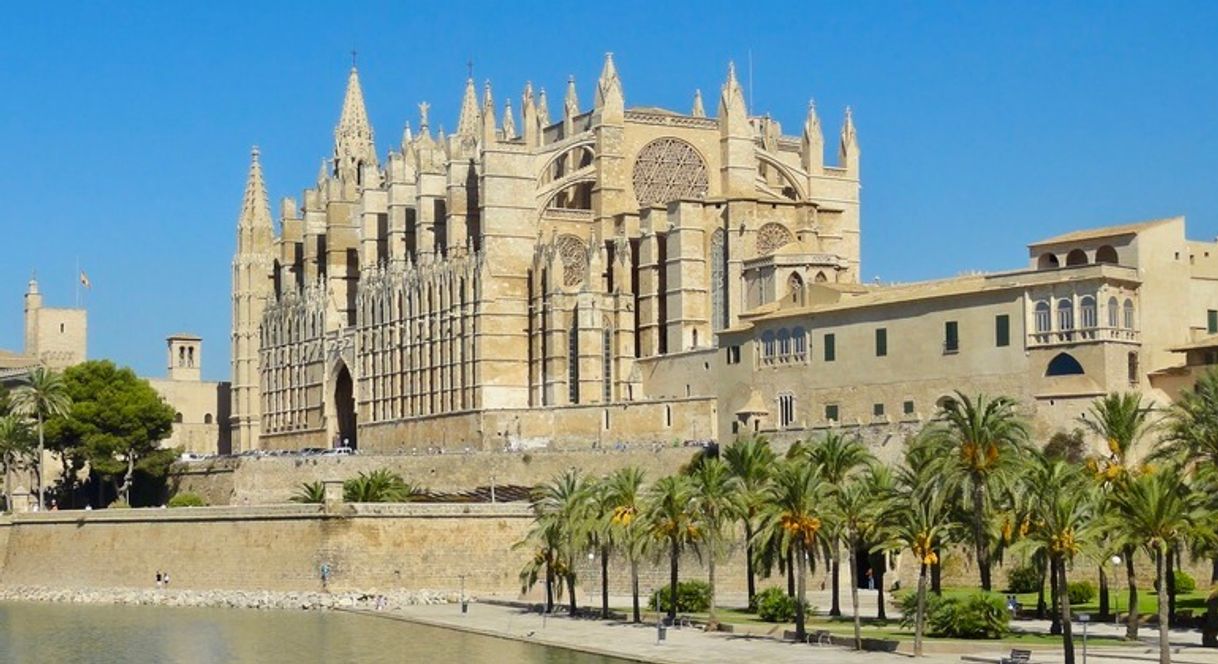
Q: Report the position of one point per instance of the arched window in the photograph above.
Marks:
(1086, 310)
(1047, 262)
(821, 278)
(718, 255)
(1065, 315)
(1064, 364)
(1106, 254)
(784, 342)
(1044, 320)
(795, 289)
(607, 365)
(1128, 314)
(799, 339)
(1114, 313)
(573, 359)
(177, 417)
(767, 345)
(207, 419)
(786, 409)
(1076, 257)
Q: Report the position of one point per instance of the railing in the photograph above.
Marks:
(1084, 335)
(784, 359)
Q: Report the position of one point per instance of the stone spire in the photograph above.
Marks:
(488, 116)
(848, 152)
(469, 124)
(528, 116)
(509, 123)
(812, 146)
(255, 206)
(732, 109)
(609, 97)
(407, 136)
(570, 108)
(543, 110)
(698, 111)
(353, 143)
(252, 287)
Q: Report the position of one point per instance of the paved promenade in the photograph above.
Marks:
(690, 646)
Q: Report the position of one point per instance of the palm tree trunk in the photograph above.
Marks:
(801, 597)
(1041, 607)
(1131, 629)
(1105, 613)
(983, 549)
(1055, 594)
(8, 485)
(571, 593)
(1171, 586)
(549, 588)
(835, 605)
(791, 571)
(673, 555)
(1160, 568)
(41, 445)
(748, 560)
(634, 589)
(1064, 604)
(712, 617)
(854, 598)
(880, 613)
(1209, 633)
(936, 575)
(920, 616)
(604, 582)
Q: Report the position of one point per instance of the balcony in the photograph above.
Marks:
(1083, 335)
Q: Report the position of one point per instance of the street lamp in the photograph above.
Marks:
(1116, 575)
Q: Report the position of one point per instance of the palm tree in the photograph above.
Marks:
(921, 522)
(379, 486)
(855, 512)
(750, 460)
(835, 457)
(979, 442)
(1158, 511)
(1061, 518)
(882, 484)
(791, 513)
(669, 520)
(718, 502)
(1121, 420)
(1192, 440)
(310, 492)
(14, 446)
(563, 520)
(42, 395)
(623, 491)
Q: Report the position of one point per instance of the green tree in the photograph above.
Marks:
(750, 459)
(855, 513)
(791, 514)
(41, 396)
(563, 517)
(623, 496)
(16, 448)
(117, 421)
(835, 457)
(670, 521)
(1158, 511)
(718, 502)
(980, 441)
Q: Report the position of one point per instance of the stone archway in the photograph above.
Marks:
(344, 407)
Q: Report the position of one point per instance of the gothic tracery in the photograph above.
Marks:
(667, 169)
(771, 237)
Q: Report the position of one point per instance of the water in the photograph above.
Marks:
(69, 634)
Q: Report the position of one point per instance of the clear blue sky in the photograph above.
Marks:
(126, 127)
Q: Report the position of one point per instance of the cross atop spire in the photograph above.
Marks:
(353, 142)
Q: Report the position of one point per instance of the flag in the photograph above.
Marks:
(84, 280)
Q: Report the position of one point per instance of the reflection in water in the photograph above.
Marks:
(68, 634)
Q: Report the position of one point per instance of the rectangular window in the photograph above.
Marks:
(786, 410)
(877, 410)
(908, 408)
(831, 413)
(830, 348)
(1211, 322)
(881, 342)
(733, 354)
(1002, 330)
(951, 337)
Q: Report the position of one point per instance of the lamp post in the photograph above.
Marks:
(1116, 569)
(1084, 618)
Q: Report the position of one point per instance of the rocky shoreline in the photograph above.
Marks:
(231, 599)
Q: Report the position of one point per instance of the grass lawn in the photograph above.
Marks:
(1118, 599)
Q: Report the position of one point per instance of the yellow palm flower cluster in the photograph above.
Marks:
(803, 527)
(924, 549)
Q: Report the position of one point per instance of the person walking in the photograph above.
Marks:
(325, 577)
(158, 579)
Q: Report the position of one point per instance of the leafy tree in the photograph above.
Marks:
(16, 448)
(750, 460)
(1070, 447)
(980, 441)
(718, 502)
(623, 496)
(378, 486)
(1158, 511)
(116, 421)
(670, 521)
(42, 396)
(791, 514)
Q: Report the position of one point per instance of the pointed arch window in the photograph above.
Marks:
(795, 289)
(718, 256)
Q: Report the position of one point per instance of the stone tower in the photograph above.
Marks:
(252, 285)
(185, 357)
(54, 336)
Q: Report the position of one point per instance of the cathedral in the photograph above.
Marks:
(532, 279)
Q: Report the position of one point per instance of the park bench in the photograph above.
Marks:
(1018, 657)
(821, 637)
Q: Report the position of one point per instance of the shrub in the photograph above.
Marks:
(980, 615)
(1184, 582)
(774, 605)
(692, 597)
(1024, 579)
(118, 504)
(187, 499)
(310, 492)
(378, 486)
(1080, 592)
